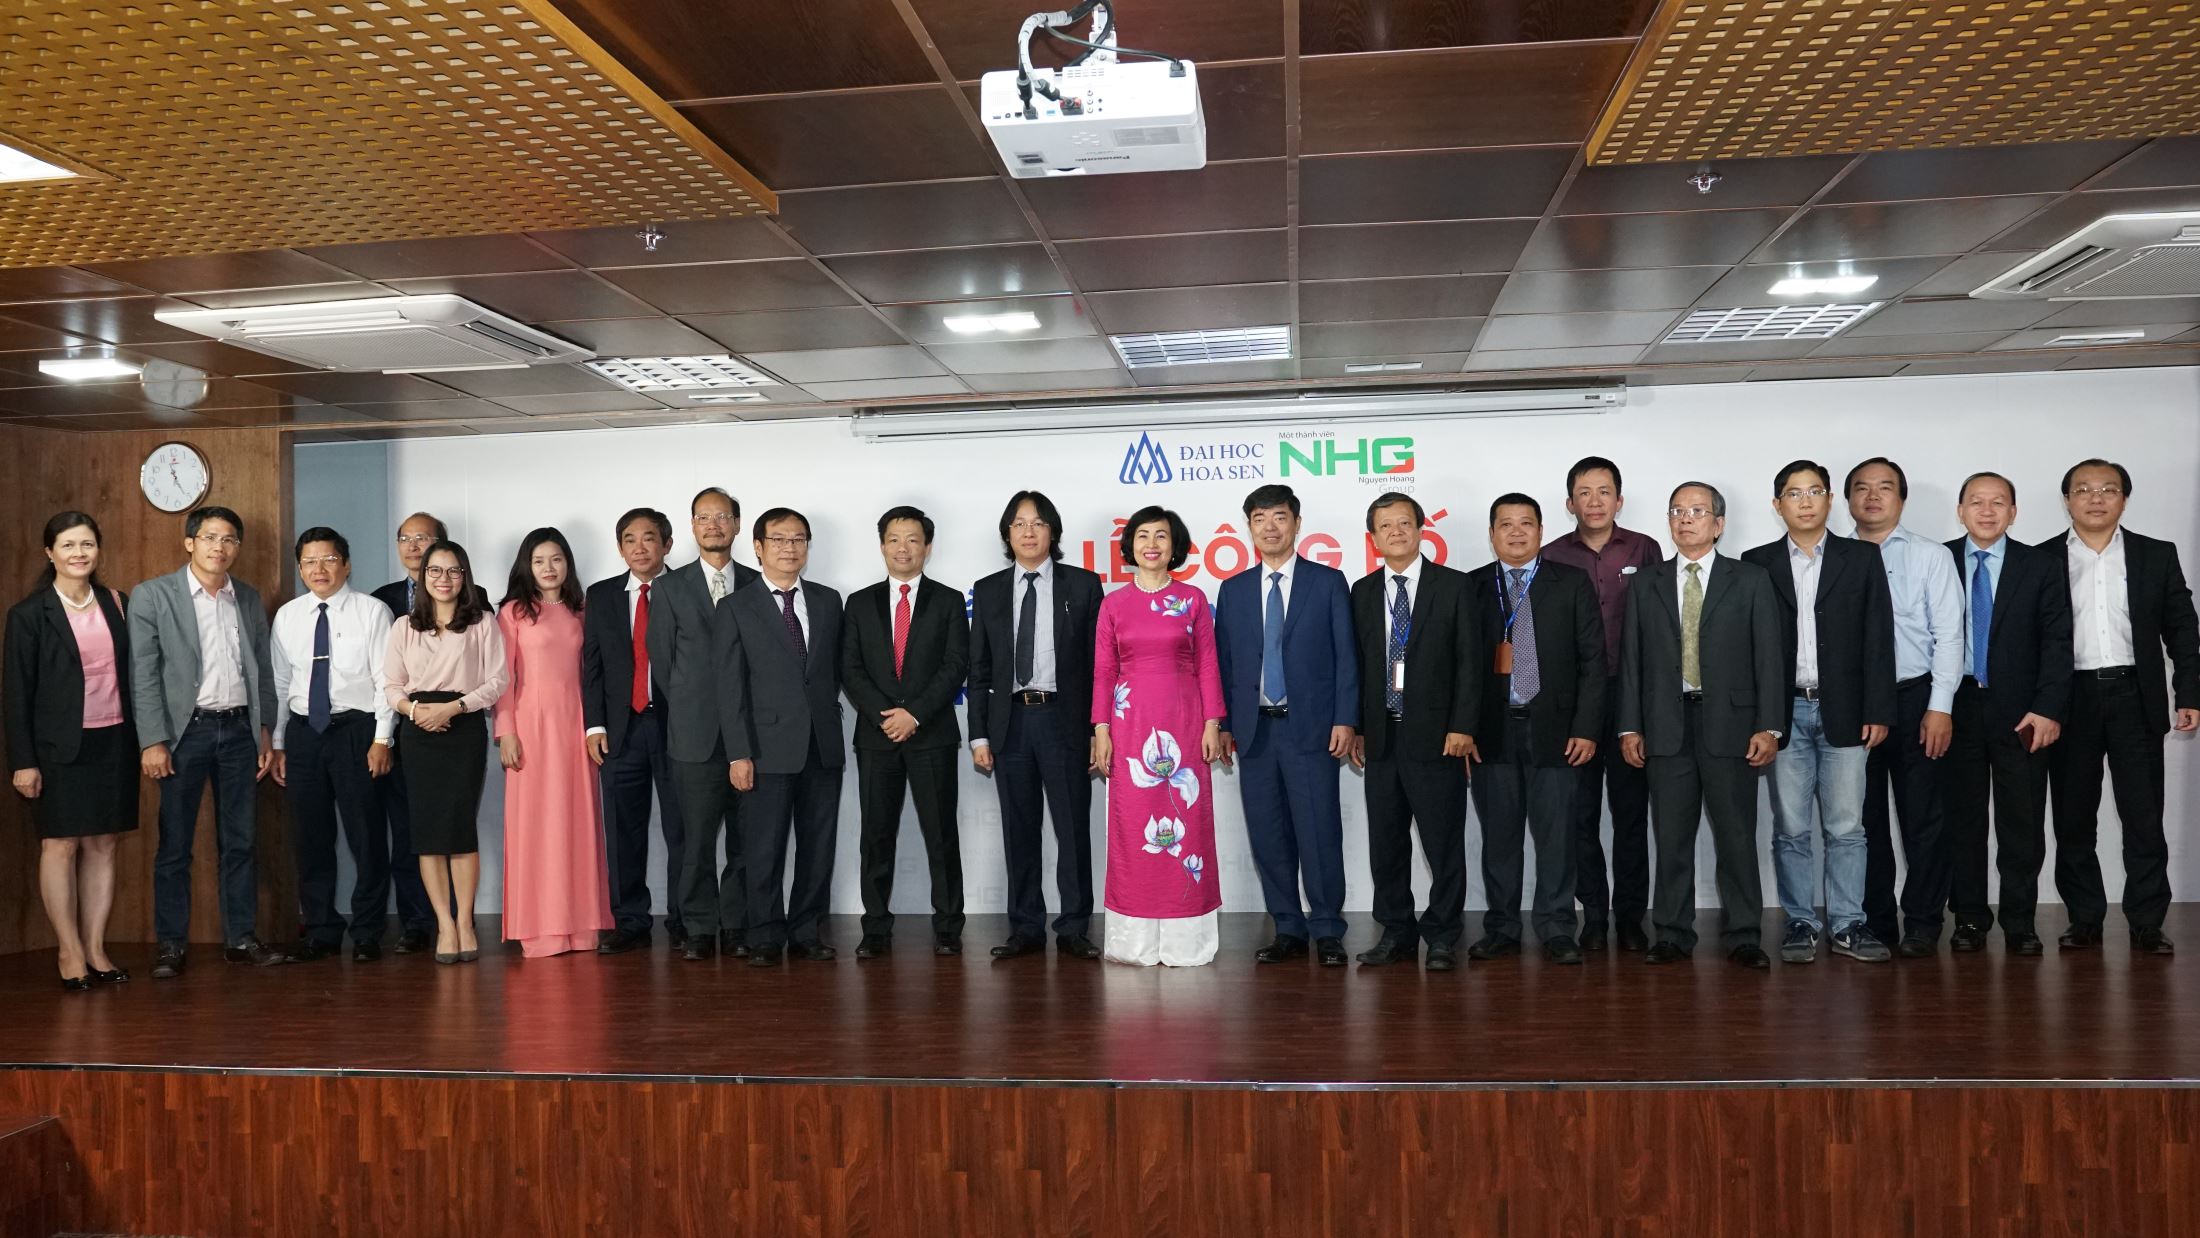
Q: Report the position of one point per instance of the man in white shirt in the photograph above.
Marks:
(332, 745)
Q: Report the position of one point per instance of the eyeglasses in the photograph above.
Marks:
(1029, 526)
(415, 539)
(445, 573)
(2110, 490)
(321, 561)
(716, 518)
(1793, 493)
(786, 543)
(223, 541)
(1692, 513)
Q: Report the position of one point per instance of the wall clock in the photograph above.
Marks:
(175, 477)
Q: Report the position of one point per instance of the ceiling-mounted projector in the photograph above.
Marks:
(1097, 113)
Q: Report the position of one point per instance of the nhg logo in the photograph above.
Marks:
(1144, 464)
(1325, 457)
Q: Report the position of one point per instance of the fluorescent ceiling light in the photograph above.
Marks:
(2098, 337)
(84, 369)
(15, 166)
(1147, 348)
(709, 373)
(1232, 414)
(1834, 285)
(1379, 367)
(978, 324)
(1751, 323)
(727, 397)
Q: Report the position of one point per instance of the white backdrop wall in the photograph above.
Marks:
(492, 489)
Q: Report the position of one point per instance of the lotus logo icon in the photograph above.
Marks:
(1144, 464)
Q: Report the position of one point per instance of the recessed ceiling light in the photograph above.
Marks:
(18, 165)
(709, 373)
(2098, 337)
(1835, 285)
(979, 324)
(1147, 348)
(1768, 322)
(1379, 367)
(727, 397)
(84, 369)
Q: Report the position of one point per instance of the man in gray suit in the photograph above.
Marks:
(713, 902)
(1703, 700)
(778, 647)
(205, 696)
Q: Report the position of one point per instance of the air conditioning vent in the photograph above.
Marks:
(394, 335)
(2117, 257)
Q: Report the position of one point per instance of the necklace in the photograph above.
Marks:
(86, 604)
(1143, 589)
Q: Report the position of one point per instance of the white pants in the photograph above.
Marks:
(1185, 942)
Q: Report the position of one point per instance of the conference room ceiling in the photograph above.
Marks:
(1398, 182)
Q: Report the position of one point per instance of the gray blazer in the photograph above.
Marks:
(1745, 684)
(683, 665)
(164, 656)
(772, 702)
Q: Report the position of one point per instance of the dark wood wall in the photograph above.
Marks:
(53, 471)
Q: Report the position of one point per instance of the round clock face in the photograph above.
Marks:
(175, 477)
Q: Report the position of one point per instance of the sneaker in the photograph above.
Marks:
(1801, 943)
(1857, 942)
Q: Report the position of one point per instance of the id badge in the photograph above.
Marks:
(1502, 662)
(1398, 676)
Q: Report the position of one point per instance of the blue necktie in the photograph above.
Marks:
(1401, 622)
(317, 709)
(1982, 616)
(1271, 642)
(1527, 678)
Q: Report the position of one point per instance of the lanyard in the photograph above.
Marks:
(1504, 595)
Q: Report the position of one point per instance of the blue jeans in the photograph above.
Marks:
(226, 751)
(1810, 769)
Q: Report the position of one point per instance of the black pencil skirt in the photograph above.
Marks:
(95, 794)
(443, 772)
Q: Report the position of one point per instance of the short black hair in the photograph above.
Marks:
(651, 514)
(1391, 498)
(708, 491)
(905, 512)
(1718, 501)
(1590, 464)
(1045, 507)
(1515, 499)
(2123, 475)
(773, 516)
(1180, 537)
(1273, 494)
(1792, 467)
(200, 515)
(442, 534)
(1964, 491)
(471, 605)
(322, 533)
(1901, 479)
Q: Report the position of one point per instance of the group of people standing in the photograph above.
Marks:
(1969, 682)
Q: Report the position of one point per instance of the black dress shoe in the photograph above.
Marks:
(1077, 946)
(699, 949)
(1487, 948)
(2080, 937)
(1281, 950)
(1751, 957)
(1442, 958)
(251, 950)
(2143, 941)
(2025, 944)
(764, 956)
(872, 946)
(731, 944)
(77, 984)
(1562, 950)
(413, 941)
(1913, 946)
(366, 952)
(814, 951)
(1665, 952)
(1593, 937)
(1632, 939)
(1329, 951)
(1967, 939)
(622, 940)
(113, 975)
(168, 964)
(1017, 947)
(676, 933)
(1389, 950)
(311, 951)
(947, 947)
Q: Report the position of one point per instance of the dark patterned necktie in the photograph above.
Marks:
(794, 625)
(317, 703)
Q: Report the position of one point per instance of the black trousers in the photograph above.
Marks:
(1628, 895)
(927, 775)
(415, 914)
(801, 809)
(640, 767)
(1043, 765)
(1898, 769)
(1512, 796)
(713, 899)
(1991, 765)
(327, 773)
(2108, 721)
(1403, 791)
(1683, 789)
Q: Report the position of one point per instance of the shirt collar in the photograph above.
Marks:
(1045, 570)
(1412, 572)
(1505, 569)
(1996, 551)
(1817, 552)
(198, 588)
(1290, 569)
(894, 586)
(2115, 541)
(634, 583)
(336, 599)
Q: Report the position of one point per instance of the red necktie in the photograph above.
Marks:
(641, 652)
(901, 629)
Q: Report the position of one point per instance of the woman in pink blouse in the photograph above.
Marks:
(71, 744)
(444, 669)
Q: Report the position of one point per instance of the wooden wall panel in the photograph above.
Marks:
(98, 473)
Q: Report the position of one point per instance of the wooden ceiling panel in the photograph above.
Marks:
(936, 214)
(861, 137)
(1193, 261)
(1477, 96)
(950, 274)
(849, 327)
(1896, 229)
(1603, 242)
(1193, 309)
(1332, 26)
(1892, 176)
(1481, 184)
(1463, 247)
(1420, 296)
(1664, 187)
(699, 49)
(731, 287)
(1220, 197)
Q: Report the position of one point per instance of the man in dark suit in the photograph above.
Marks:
(1419, 686)
(1291, 683)
(778, 642)
(713, 900)
(2129, 602)
(1031, 638)
(902, 664)
(1539, 631)
(624, 709)
(1703, 702)
(2009, 710)
(1837, 641)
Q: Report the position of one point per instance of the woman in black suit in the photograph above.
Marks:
(71, 741)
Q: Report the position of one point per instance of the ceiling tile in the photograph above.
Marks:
(1430, 363)
(1696, 238)
(2045, 337)
(2163, 161)
(533, 380)
(1177, 261)
(1476, 96)
(1957, 277)
(115, 320)
(1743, 183)
(2079, 209)
(55, 283)
(1945, 226)
(1424, 296)
(1751, 285)
(17, 336)
(638, 337)
(1025, 356)
(147, 419)
(1192, 309)
(1332, 26)
(889, 217)
(1219, 197)
(1366, 339)
(72, 401)
(1905, 345)
(2122, 313)
(789, 330)
(1949, 315)
(730, 287)
(265, 268)
(1718, 354)
(1351, 189)
(681, 242)
(1554, 358)
(331, 388)
(862, 137)
(181, 387)
(1218, 372)
(950, 274)
(774, 393)
(1060, 318)
(979, 35)
(688, 49)
(1794, 370)
(1575, 292)
(559, 405)
(1075, 380)
(456, 255)
(1356, 251)
(204, 354)
(535, 298)
(2109, 358)
(432, 410)
(844, 364)
(1978, 171)
(383, 434)
(1575, 330)
(887, 388)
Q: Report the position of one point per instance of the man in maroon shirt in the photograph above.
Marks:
(1611, 556)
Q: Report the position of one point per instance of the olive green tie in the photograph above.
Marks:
(1692, 626)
